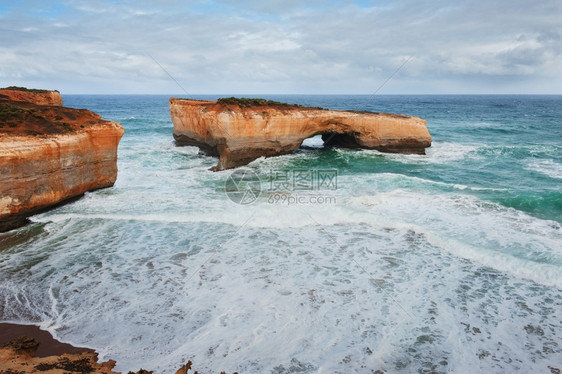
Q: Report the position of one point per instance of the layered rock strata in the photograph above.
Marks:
(50, 154)
(239, 131)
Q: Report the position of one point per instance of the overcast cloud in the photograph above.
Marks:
(274, 46)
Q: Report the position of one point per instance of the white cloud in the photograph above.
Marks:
(278, 46)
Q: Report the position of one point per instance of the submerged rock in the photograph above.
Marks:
(49, 153)
(239, 131)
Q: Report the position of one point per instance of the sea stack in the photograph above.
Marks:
(239, 131)
(50, 154)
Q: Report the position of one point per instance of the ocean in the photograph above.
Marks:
(328, 261)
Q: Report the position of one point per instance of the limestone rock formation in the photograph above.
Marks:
(49, 153)
(239, 131)
(39, 97)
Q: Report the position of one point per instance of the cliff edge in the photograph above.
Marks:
(39, 97)
(239, 131)
(49, 153)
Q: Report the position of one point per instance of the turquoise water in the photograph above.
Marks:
(450, 261)
(506, 147)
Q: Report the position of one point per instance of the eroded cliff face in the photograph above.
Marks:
(239, 132)
(49, 154)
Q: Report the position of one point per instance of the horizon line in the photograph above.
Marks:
(314, 94)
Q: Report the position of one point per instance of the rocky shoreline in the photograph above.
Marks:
(28, 349)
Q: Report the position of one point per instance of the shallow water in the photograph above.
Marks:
(447, 262)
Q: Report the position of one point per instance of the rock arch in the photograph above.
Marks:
(239, 131)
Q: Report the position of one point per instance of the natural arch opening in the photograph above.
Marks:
(345, 140)
(329, 140)
(314, 142)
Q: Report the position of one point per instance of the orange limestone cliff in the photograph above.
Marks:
(39, 97)
(239, 131)
(49, 153)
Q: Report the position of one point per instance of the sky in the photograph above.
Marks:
(282, 47)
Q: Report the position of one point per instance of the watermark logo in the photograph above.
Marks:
(303, 180)
(243, 186)
(290, 187)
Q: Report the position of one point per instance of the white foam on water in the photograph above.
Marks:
(398, 273)
(485, 227)
(394, 180)
(438, 153)
(519, 244)
(546, 167)
(347, 296)
(445, 152)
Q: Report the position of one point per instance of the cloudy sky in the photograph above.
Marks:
(282, 46)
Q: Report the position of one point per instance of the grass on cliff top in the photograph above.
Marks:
(22, 120)
(245, 102)
(23, 89)
(8, 111)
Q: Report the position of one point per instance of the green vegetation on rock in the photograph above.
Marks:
(9, 114)
(31, 121)
(244, 102)
(16, 88)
